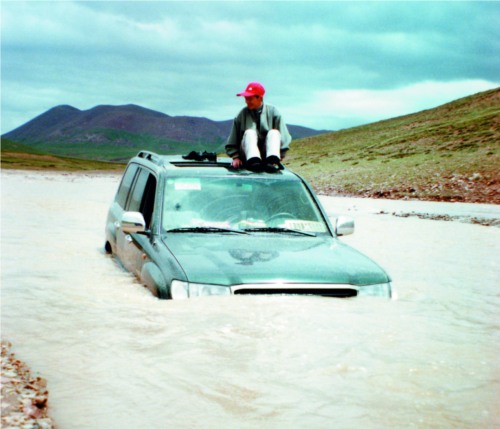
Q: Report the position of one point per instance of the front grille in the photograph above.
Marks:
(329, 292)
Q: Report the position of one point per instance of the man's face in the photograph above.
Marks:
(253, 102)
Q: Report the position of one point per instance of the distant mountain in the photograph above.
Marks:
(116, 132)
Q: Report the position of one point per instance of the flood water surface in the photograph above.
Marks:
(116, 357)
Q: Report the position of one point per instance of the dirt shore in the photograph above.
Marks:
(24, 397)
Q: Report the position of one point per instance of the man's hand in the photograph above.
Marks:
(236, 163)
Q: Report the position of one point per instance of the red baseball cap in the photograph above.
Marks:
(253, 88)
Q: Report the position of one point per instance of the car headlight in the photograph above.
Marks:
(383, 290)
(183, 290)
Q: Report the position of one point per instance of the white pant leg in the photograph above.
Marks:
(249, 144)
(273, 143)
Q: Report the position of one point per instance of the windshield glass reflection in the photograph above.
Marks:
(239, 204)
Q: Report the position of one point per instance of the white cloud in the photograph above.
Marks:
(361, 106)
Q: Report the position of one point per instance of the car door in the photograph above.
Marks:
(141, 199)
(117, 208)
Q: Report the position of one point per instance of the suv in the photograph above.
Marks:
(193, 228)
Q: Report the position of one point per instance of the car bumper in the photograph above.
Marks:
(182, 290)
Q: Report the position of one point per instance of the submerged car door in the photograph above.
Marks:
(141, 199)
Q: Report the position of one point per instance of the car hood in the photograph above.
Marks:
(270, 258)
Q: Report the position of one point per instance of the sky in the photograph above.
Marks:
(326, 65)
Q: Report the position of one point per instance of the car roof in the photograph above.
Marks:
(177, 165)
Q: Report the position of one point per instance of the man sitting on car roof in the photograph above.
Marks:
(259, 137)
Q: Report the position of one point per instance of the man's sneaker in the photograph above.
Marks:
(209, 156)
(272, 164)
(196, 156)
(201, 156)
(254, 164)
(273, 159)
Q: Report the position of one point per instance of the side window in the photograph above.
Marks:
(125, 185)
(138, 192)
(143, 196)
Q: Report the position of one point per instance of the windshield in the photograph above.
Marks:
(239, 203)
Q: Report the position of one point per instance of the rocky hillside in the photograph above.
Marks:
(449, 153)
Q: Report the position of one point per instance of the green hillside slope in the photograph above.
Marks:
(22, 157)
(450, 153)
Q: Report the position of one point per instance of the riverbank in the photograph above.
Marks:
(24, 396)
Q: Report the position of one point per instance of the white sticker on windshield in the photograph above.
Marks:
(304, 225)
(187, 185)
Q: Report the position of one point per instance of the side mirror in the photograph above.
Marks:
(133, 222)
(344, 226)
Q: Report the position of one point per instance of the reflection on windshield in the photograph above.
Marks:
(239, 203)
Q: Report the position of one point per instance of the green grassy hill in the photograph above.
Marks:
(22, 157)
(450, 153)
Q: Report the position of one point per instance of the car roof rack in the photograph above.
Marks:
(204, 159)
(182, 161)
(190, 163)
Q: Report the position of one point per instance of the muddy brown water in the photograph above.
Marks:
(115, 357)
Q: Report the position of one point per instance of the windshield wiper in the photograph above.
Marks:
(205, 229)
(280, 229)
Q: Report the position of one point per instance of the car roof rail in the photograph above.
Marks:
(190, 163)
(149, 156)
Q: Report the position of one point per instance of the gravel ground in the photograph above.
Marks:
(24, 398)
